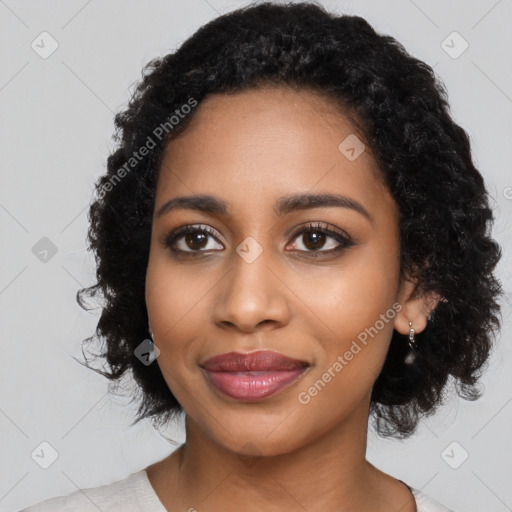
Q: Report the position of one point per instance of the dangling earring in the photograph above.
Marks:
(151, 342)
(411, 356)
(154, 351)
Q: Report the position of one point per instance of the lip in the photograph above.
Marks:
(253, 376)
(260, 360)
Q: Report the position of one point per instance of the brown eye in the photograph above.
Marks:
(316, 240)
(193, 239)
(196, 240)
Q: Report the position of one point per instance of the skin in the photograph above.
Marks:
(249, 149)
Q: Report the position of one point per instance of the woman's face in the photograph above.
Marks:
(253, 282)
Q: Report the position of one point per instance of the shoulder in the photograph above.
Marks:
(131, 494)
(427, 504)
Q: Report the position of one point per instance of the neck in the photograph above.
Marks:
(329, 472)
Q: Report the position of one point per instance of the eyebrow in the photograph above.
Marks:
(211, 204)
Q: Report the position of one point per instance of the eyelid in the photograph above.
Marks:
(175, 234)
(322, 226)
(343, 239)
(332, 232)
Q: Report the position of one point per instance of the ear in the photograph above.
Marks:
(416, 307)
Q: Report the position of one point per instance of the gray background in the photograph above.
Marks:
(57, 122)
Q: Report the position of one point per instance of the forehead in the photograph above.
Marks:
(263, 143)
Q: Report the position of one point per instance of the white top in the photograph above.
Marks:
(135, 494)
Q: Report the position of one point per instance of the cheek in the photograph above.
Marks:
(167, 307)
(177, 303)
(351, 296)
(354, 309)
(162, 303)
(174, 295)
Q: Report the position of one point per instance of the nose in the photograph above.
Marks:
(251, 297)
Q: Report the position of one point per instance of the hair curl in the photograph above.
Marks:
(402, 111)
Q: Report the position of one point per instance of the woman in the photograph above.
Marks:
(296, 220)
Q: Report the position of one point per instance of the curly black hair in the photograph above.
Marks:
(401, 110)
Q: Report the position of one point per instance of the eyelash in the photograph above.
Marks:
(343, 239)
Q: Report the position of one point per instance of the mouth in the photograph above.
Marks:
(253, 376)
